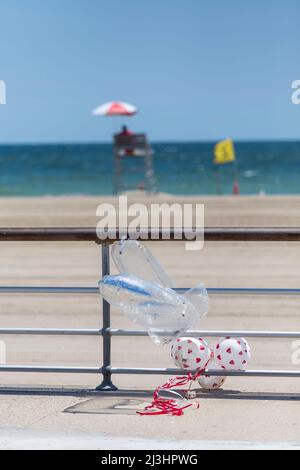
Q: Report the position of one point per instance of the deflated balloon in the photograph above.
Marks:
(131, 256)
(199, 298)
(160, 310)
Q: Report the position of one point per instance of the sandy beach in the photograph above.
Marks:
(249, 409)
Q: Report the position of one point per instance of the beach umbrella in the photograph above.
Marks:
(115, 108)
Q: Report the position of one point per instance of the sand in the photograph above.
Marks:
(249, 409)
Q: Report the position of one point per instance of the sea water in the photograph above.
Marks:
(180, 168)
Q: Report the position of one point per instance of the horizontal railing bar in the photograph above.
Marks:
(153, 371)
(51, 369)
(210, 234)
(51, 331)
(47, 290)
(146, 371)
(213, 334)
(246, 373)
(124, 332)
(249, 291)
(181, 290)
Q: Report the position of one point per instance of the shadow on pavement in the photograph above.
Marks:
(217, 394)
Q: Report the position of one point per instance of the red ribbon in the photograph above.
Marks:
(170, 407)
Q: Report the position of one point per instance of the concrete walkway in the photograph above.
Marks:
(250, 410)
(11, 439)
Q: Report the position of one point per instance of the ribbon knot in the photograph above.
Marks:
(163, 406)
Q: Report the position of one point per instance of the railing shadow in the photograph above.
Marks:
(129, 393)
(257, 396)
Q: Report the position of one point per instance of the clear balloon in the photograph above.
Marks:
(199, 298)
(143, 291)
(160, 310)
(131, 256)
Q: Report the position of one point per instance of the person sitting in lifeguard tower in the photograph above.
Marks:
(125, 132)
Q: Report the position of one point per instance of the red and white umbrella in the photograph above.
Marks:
(115, 108)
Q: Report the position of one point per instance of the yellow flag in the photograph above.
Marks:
(224, 152)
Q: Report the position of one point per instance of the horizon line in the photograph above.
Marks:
(153, 141)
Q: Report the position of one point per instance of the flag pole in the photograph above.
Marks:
(236, 188)
(218, 180)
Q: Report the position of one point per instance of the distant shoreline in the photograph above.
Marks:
(153, 141)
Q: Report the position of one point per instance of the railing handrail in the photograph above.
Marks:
(210, 234)
(90, 234)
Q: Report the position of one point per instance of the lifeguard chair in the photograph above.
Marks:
(133, 160)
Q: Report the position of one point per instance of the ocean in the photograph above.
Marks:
(180, 168)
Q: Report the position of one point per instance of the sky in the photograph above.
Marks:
(197, 70)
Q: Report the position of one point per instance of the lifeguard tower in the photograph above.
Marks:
(133, 164)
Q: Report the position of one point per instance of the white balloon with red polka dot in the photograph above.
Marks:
(191, 353)
(209, 382)
(232, 353)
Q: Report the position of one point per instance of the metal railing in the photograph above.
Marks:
(106, 332)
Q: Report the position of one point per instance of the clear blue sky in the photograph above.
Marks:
(198, 70)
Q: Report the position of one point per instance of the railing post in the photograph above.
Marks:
(107, 384)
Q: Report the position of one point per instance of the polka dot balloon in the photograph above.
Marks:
(209, 382)
(232, 353)
(191, 353)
